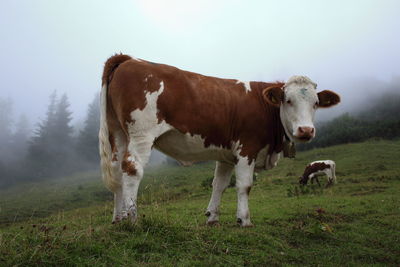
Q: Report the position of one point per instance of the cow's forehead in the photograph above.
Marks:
(300, 87)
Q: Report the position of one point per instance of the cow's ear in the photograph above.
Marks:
(327, 99)
(273, 95)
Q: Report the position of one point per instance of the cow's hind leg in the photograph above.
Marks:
(222, 175)
(118, 146)
(333, 173)
(135, 159)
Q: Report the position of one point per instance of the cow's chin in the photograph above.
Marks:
(302, 139)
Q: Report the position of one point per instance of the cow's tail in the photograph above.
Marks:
(104, 136)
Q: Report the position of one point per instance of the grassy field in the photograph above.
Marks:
(354, 223)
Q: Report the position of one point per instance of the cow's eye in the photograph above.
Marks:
(289, 102)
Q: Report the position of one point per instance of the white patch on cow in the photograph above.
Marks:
(329, 172)
(327, 162)
(297, 79)
(246, 85)
(145, 122)
(244, 171)
(301, 93)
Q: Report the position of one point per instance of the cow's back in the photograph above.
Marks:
(189, 102)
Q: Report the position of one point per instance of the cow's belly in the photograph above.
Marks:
(189, 149)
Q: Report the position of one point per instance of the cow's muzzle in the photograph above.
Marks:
(305, 133)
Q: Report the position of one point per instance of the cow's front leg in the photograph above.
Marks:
(244, 180)
(118, 205)
(222, 175)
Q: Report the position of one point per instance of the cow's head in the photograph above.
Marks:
(298, 100)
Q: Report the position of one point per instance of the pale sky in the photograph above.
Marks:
(62, 45)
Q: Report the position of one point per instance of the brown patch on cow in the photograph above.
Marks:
(111, 64)
(312, 168)
(128, 166)
(221, 111)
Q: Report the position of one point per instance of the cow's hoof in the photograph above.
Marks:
(116, 220)
(212, 216)
(212, 223)
(248, 225)
(130, 216)
(329, 184)
(244, 222)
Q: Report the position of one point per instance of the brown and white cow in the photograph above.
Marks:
(319, 168)
(192, 117)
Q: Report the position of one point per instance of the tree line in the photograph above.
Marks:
(54, 149)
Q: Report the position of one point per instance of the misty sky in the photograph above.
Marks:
(62, 45)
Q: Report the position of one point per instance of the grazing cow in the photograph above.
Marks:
(192, 117)
(319, 168)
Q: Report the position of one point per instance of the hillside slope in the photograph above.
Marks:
(353, 223)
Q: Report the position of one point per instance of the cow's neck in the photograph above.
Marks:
(273, 122)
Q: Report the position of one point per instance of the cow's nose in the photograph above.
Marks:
(305, 133)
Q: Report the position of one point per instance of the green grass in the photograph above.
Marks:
(354, 223)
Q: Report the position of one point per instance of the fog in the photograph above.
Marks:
(62, 45)
(350, 47)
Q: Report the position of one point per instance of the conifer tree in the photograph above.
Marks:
(19, 139)
(5, 127)
(51, 148)
(87, 145)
